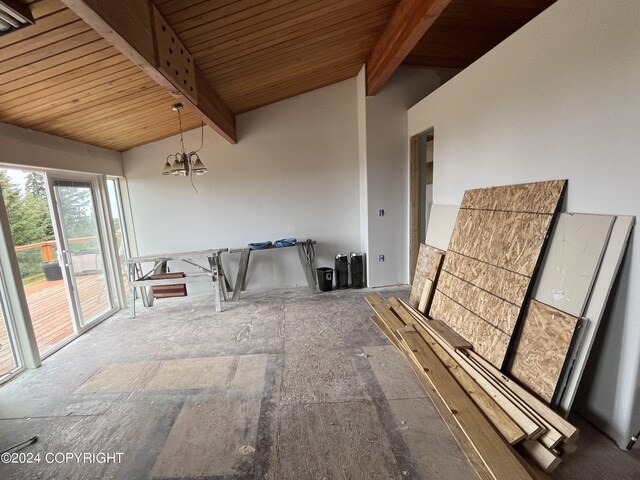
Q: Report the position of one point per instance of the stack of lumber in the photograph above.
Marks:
(505, 431)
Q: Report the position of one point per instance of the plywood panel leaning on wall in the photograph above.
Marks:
(541, 350)
(427, 268)
(495, 249)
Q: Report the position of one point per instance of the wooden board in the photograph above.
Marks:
(542, 347)
(504, 284)
(463, 441)
(507, 427)
(442, 219)
(496, 455)
(448, 335)
(427, 267)
(568, 431)
(492, 309)
(533, 427)
(611, 261)
(386, 315)
(168, 291)
(509, 240)
(494, 251)
(569, 268)
(538, 197)
(427, 296)
(488, 341)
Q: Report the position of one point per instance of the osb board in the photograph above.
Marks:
(569, 268)
(442, 219)
(118, 377)
(508, 240)
(507, 285)
(243, 373)
(611, 262)
(494, 310)
(542, 347)
(494, 250)
(538, 197)
(427, 266)
(492, 344)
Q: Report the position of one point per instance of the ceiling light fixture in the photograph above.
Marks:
(13, 15)
(183, 163)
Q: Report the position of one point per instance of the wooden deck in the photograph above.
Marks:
(50, 312)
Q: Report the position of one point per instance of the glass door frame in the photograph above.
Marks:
(124, 227)
(16, 350)
(97, 195)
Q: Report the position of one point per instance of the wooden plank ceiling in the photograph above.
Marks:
(63, 78)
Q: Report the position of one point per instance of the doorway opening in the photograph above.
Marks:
(420, 192)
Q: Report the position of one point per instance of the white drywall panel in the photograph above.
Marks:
(597, 303)
(571, 261)
(442, 219)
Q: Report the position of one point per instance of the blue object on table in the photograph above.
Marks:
(286, 242)
(260, 245)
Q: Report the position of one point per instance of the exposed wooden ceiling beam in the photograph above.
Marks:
(410, 21)
(138, 30)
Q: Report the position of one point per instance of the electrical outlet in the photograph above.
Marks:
(381, 212)
(381, 258)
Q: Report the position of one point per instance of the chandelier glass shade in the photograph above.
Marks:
(183, 163)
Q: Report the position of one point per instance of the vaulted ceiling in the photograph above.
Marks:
(65, 77)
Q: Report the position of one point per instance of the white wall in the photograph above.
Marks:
(27, 148)
(361, 93)
(387, 172)
(294, 172)
(558, 99)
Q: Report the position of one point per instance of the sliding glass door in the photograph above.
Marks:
(82, 248)
(37, 250)
(67, 258)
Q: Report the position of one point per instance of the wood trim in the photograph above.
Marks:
(128, 26)
(410, 21)
(414, 204)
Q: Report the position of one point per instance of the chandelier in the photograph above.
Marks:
(183, 163)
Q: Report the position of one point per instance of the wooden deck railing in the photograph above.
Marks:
(46, 248)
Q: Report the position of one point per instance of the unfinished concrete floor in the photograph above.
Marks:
(281, 385)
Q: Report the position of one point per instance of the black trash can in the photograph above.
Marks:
(357, 270)
(325, 279)
(342, 270)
